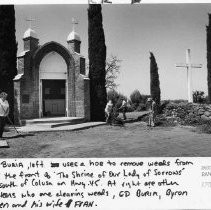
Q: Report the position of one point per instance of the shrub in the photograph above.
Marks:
(206, 127)
(112, 95)
(163, 105)
(192, 120)
(178, 101)
(130, 109)
(198, 97)
(135, 98)
(116, 98)
(141, 107)
(144, 98)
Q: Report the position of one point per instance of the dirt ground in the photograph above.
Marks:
(132, 140)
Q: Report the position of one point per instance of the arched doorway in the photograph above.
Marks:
(53, 85)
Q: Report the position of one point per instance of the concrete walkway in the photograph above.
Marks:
(46, 127)
(4, 144)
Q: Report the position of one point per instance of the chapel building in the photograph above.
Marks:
(51, 80)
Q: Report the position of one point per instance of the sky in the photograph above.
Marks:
(131, 32)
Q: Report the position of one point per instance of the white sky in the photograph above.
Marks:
(131, 31)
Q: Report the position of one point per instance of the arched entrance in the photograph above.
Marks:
(53, 85)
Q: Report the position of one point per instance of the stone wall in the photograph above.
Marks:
(87, 99)
(27, 91)
(17, 102)
(188, 111)
(79, 98)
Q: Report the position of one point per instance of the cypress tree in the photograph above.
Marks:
(154, 81)
(8, 51)
(209, 59)
(97, 62)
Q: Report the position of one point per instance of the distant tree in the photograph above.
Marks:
(8, 51)
(113, 95)
(116, 97)
(138, 100)
(112, 71)
(97, 62)
(154, 80)
(144, 98)
(209, 59)
(135, 98)
(199, 97)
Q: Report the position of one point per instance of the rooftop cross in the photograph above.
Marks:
(74, 22)
(188, 66)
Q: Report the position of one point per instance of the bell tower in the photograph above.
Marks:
(73, 39)
(30, 39)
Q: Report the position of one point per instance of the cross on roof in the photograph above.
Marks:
(74, 22)
(30, 21)
(188, 65)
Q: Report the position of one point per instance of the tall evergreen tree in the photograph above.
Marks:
(97, 63)
(154, 80)
(8, 51)
(209, 59)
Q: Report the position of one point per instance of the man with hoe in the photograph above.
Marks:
(123, 108)
(4, 111)
(152, 114)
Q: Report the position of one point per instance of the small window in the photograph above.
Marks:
(25, 99)
(82, 66)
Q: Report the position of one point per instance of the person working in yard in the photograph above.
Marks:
(108, 112)
(152, 109)
(4, 111)
(115, 119)
(124, 108)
